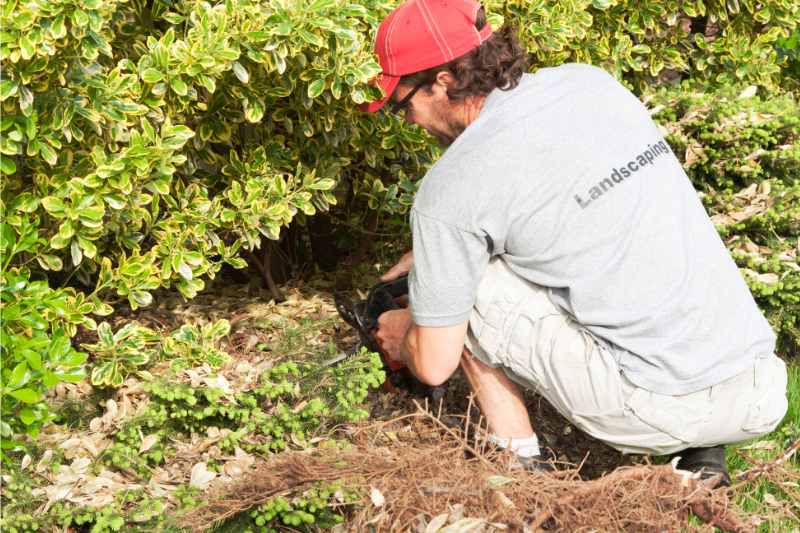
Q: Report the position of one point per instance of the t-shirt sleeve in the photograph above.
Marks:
(448, 265)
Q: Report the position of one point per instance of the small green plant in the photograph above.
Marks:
(101, 520)
(17, 512)
(291, 402)
(192, 345)
(118, 354)
(134, 510)
(320, 507)
(129, 455)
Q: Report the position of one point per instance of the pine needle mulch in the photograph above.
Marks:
(416, 473)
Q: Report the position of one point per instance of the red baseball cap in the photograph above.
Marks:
(421, 34)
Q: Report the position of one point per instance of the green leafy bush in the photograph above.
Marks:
(166, 137)
(147, 144)
(789, 50)
(724, 42)
(141, 135)
(35, 349)
(191, 345)
(117, 354)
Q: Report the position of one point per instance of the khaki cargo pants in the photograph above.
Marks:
(515, 326)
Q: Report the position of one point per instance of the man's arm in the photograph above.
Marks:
(431, 353)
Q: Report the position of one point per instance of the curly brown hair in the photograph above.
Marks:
(498, 62)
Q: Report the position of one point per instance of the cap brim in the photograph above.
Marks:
(388, 84)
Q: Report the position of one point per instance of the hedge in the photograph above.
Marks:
(147, 144)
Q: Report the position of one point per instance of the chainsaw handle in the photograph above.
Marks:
(396, 287)
(381, 299)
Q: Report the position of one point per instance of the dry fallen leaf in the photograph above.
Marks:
(770, 278)
(241, 463)
(465, 525)
(694, 152)
(504, 500)
(456, 512)
(436, 523)
(219, 382)
(747, 212)
(47, 456)
(377, 497)
(201, 476)
(747, 193)
(148, 442)
(748, 92)
(761, 445)
(499, 481)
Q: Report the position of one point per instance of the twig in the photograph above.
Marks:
(273, 288)
(452, 434)
(467, 419)
(762, 469)
(637, 473)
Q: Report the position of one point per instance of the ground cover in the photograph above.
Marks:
(280, 437)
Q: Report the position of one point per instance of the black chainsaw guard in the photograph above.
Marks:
(363, 317)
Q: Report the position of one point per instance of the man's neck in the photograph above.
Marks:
(471, 108)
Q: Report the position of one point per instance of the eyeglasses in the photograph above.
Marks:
(403, 104)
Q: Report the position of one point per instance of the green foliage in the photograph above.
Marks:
(148, 144)
(723, 42)
(789, 49)
(322, 506)
(35, 349)
(742, 151)
(733, 136)
(134, 510)
(126, 453)
(16, 513)
(159, 143)
(132, 347)
(192, 345)
(154, 141)
(117, 354)
(291, 402)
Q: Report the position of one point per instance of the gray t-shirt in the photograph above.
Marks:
(569, 180)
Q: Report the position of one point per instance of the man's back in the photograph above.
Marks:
(567, 177)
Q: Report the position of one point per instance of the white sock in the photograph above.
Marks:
(522, 446)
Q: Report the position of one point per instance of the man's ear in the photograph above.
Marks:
(444, 80)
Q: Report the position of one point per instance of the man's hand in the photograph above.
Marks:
(392, 329)
(403, 266)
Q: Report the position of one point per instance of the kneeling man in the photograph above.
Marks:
(559, 246)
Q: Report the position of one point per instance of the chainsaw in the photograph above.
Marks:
(363, 317)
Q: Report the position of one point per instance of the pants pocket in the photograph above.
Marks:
(678, 417)
(769, 402)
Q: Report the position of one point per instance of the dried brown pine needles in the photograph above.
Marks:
(425, 472)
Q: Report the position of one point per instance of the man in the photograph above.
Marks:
(558, 245)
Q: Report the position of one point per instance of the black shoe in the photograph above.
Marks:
(708, 461)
